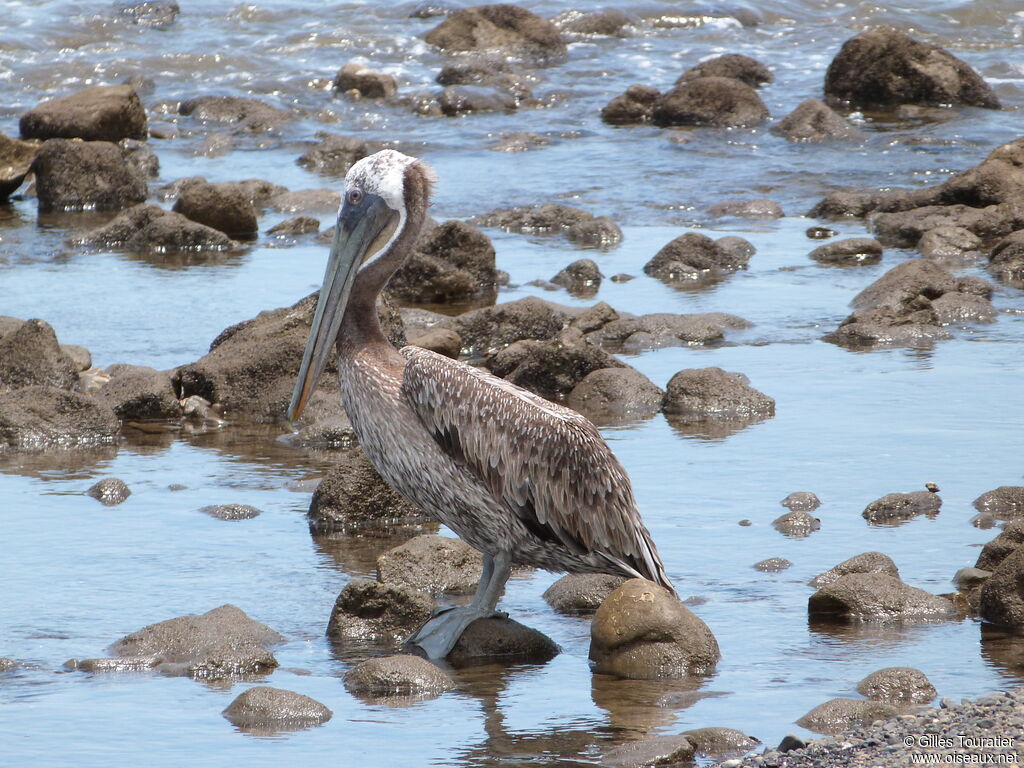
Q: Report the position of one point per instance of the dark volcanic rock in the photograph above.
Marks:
(801, 500)
(99, 113)
(701, 394)
(899, 507)
(1003, 503)
(796, 524)
(490, 329)
(814, 121)
(38, 417)
(581, 593)
(403, 675)
(642, 632)
(552, 218)
(1002, 594)
(221, 643)
(30, 355)
(615, 395)
(898, 685)
(1001, 547)
(501, 640)
(243, 115)
(297, 225)
(148, 13)
(150, 228)
(635, 105)
(876, 597)
(651, 751)
(364, 81)
(772, 565)
(663, 329)
(433, 564)
(953, 245)
(886, 67)
(16, 159)
(713, 101)
(721, 742)
(264, 709)
(72, 175)
(231, 512)
(458, 99)
(693, 256)
(252, 366)
(1006, 262)
(221, 206)
(452, 261)
(852, 251)
(335, 154)
(579, 276)
(748, 209)
(354, 498)
(551, 369)
(867, 562)
(599, 231)
(838, 715)
(905, 228)
(370, 610)
(734, 65)
(504, 29)
(110, 491)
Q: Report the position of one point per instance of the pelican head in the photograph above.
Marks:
(385, 202)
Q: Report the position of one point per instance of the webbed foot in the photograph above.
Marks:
(442, 631)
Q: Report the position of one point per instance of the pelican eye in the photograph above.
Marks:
(355, 196)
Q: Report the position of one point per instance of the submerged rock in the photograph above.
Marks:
(710, 101)
(109, 491)
(354, 498)
(885, 66)
(876, 597)
(748, 209)
(151, 228)
(772, 565)
(866, 562)
(814, 121)
(241, 114)
(581, 594)
(663, 329)
(894, 508)
(99, 113)
(221, 643)
(838, 715)
(370, 610)
(77, 175)
(504, 29)
(796, 524)
(643, 632)
(853, 251)
(38, 417)
(898, 685)
(231, 511)
(694, 256)
(609, 22)
(267, 709)
(501, 640)
(651, 751)
(402, 675)
(433, 564)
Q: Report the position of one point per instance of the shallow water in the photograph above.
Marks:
(849, 426)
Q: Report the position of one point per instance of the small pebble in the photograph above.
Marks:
(231, 511)
(110, 491)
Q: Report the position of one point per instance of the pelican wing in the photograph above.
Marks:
(546, 464)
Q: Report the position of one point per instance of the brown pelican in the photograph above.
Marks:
(521, 479)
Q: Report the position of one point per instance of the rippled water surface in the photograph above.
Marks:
(849, 426)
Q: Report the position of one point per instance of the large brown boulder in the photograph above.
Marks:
(353, 498)
(252, 366)
(643, 632)
(74, 175)
(887, 67)
(876, 597)
(702, 394)
(223, 207)
(504, 29)
(266, 710)
(370, 610)
(453, 261)
(99, 113)
(403, 675)
(552, 369)
(501, 640)
(38, 417)
(1003, 503)
(581, 593)
(710, 101)
(31, 355)
(1002, 594)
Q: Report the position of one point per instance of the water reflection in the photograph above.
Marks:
(1004, 649)
(71, 464)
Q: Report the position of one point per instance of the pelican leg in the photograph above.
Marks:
(442, 631)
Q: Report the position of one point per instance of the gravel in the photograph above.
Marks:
(988, 730)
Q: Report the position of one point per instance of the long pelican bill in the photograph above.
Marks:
(363, 230)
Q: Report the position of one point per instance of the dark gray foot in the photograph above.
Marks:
(442, 631)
